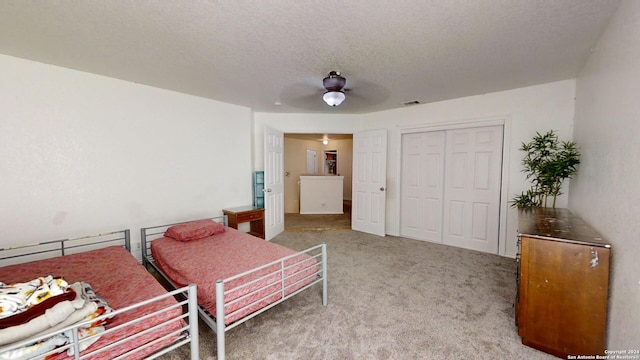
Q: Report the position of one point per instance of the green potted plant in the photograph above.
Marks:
(547, 163)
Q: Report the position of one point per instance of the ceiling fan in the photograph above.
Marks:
(334, 84)
(309, 93)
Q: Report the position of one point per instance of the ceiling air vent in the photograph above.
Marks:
(414, 102)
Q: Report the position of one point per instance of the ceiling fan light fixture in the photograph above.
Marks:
(333, 98)
(334, 83)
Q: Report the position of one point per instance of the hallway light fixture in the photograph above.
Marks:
(325, 142)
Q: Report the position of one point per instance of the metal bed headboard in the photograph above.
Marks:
(148, 234)
(62, 247)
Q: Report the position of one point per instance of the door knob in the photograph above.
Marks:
(382, 188)
(268, 190)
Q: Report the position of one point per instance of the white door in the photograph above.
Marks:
(273, 183)
(472, 188)
(369, 181)
(312, 166)
(422, 185)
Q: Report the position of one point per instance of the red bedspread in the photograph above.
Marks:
(116, 276)
(221, 256)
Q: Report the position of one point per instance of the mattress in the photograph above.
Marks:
(117, 277)
(220, 256)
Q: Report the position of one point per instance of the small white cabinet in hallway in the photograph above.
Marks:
(321, 194)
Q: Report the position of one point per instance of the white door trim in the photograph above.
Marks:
(505, 121)
(451, 125)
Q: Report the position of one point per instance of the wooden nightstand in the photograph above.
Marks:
(251, 214)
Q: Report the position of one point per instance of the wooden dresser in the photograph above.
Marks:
(563, 283)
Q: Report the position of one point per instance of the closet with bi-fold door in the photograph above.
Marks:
(450, 186)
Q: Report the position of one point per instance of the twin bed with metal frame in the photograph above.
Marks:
(147, 321)
(239, 276)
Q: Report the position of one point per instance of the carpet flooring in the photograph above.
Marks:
(300, 222)
(389, 298)
(305, 222)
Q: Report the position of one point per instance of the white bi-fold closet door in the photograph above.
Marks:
(451, 181)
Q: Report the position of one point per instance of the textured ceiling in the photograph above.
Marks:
(262, 53)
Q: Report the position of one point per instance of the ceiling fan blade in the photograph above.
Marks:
(303, 96)
(359, 94)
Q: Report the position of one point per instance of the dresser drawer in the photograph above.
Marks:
(249, 216)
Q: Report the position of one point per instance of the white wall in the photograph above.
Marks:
(82, 154)
(344, 147)
(295, 161)
(605, 191)
(525, 111)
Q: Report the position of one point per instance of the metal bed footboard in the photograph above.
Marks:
(188, 333)
(314, 272)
